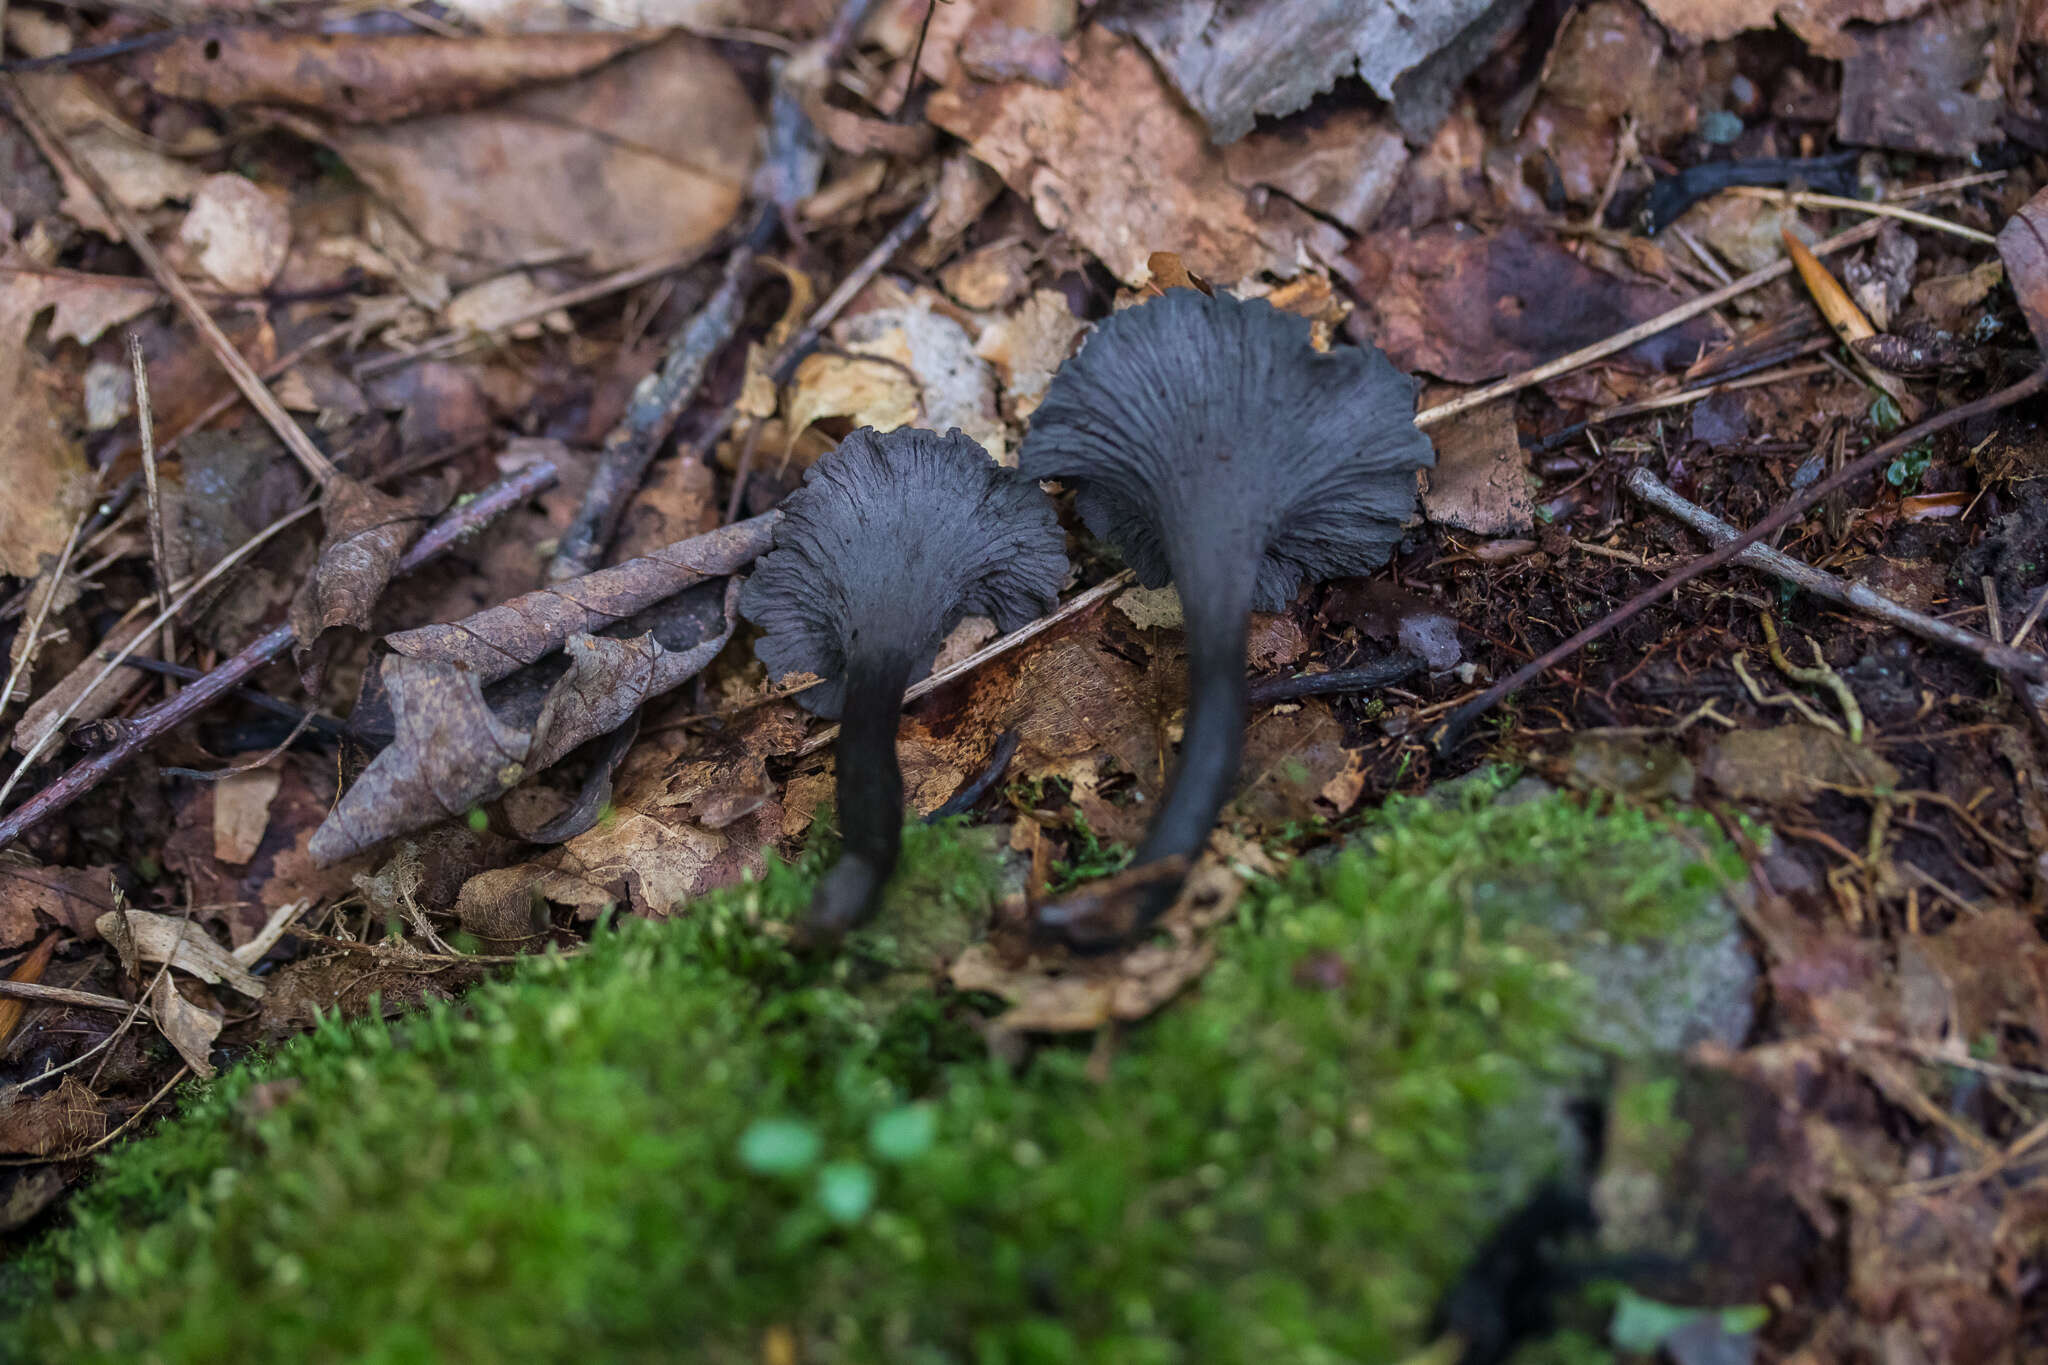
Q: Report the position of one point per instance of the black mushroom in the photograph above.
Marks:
(1220, 451)
(892, 540)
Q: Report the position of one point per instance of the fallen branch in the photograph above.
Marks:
(1452, 729)
(146, 728)
(1820, 583)
(651, 415)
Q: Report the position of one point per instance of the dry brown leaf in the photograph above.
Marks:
(1481, 480)
(364, 77)
(451, 752)
(993, 276)
(1118, 162)
(869, 390)
(678, 830)
(1028, 347)
(241, 812)
(42, 464)
(1236, 61)
(187, 947)
(189, 1028)
(367, 533)
(1345, 167)
(74, 897)
(1469, 307)
(240, 232)
(648, 156)
(1817, 21)
(502, 639)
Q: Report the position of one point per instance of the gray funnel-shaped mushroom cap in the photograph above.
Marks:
(1193, 425)
(1220, 450)
(892, 540)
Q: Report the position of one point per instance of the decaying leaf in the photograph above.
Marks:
(41, 463)
(1481, 480)
(61, 1120)
(1792, 763)
(364, 77)
(75, 897)
(678, 829)
(2023, 247)
(1468, 307)
(1235, 62)
(1079, 995)
(189, 1028)
(188, 949)
(1911, 86)
(241, 812)
(646, 156)
(240, 232)
(1116, 160)
(1818, 22)
(451, 752)
(501, 639)
(367, 533)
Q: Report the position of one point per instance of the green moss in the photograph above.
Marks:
(687, 1137)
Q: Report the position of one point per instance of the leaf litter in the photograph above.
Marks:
(522, 754)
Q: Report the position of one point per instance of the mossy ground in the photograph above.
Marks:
(686, 1142)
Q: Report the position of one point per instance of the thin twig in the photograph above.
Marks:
(448, 343)
(53, 146)
(1452, 729)
(25, 648)
(127, 1123)
(993, 649)
(1806, 199)
(147, 727)
(55, 725)
(39, 994)
(1621, 341)
(651, 414)
(1642, 331)
(153, 507)
(1648, 487)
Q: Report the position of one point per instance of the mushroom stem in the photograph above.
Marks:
(1215, 609)
(870, 795)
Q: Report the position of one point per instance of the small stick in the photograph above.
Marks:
(1805, 199)
(450, 342)
(159, 549)
(1642, 331)
(150, 725)
(25, 652)
(37, 993)
(318, 342)
(994, 648)
(2033, 615)
(177, 604)
(1453, 727)
(1992, 620)
(53, 146)
(651, 414)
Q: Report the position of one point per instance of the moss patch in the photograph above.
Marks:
(687, 1140)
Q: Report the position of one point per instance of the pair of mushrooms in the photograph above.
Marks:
(1204, 436)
